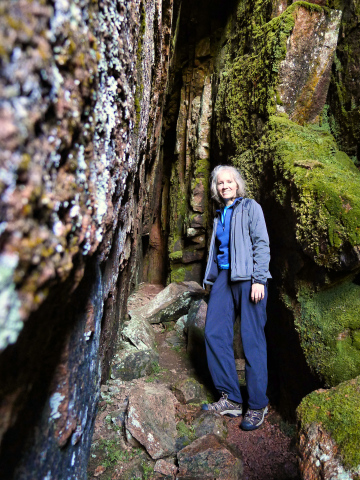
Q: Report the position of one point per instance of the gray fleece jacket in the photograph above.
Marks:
(249, 245)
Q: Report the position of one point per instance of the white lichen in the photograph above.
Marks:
(55, 402)
(11, 322)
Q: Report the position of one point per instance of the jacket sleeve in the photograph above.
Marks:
(260, 244)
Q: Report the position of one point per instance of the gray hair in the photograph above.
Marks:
(241, 187)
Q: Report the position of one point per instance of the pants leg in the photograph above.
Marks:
(253, 320)
(219, 336)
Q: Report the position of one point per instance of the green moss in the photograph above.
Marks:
(338, 411)
(185, 431)
(324, 183)
(247, 87)
(329, 329)
(179, 273)
(176, 255)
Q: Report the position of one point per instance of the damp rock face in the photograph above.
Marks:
(80, 116)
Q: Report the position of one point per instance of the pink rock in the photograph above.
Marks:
(209, 457)
(150, 419)
(165, 468)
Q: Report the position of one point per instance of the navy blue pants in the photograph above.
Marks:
(226, 300)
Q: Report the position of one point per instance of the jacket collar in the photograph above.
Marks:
(235, 202)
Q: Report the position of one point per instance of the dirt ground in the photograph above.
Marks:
(268, 453)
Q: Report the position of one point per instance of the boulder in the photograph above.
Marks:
(180, 325)
(189, 390)
(165, 468)
(171, 303)
(208, 422)
(150, 419)
(329, 434)
(139, 333)
(209, 457)
(130, 363)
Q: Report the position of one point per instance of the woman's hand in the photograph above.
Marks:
(257, 292)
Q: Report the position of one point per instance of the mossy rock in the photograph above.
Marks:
(322, 184)
(337, 411)
(329, 329)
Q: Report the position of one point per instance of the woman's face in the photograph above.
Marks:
(226, 186)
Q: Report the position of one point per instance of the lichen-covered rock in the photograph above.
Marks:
(209, 457)
(343, 110)
(304, 74)
(191, 174)
(151, 419)
(171, 303)
(165, 468)
(131, 362)
(80, 117)
(139, 333)
(329, 433)
(189, 390)
(210, 422)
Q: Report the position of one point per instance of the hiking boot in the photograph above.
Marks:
(224, 407)
(253, 419)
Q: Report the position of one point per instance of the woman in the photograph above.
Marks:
(238, 269)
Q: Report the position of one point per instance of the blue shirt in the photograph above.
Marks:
(223, 236)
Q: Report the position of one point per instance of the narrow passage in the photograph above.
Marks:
(267, 453)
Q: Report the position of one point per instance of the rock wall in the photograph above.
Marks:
(82, 89)
(264, 95)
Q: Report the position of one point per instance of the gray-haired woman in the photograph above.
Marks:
(238, 270)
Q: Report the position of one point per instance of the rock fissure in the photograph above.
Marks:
(112, 115)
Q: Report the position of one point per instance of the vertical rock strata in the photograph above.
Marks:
(302, 90)
(82, 87)
(344, 95)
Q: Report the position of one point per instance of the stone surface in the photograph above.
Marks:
(131, 362)
(139, 333)
(80, 117)
(207, 423)
(209, 457)
(171, 303)
(180, 324)
(165, 468)
(304, 74)
(190, 172)
(328, 433)
(344, 92)
(189, 391)
(151, 419)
